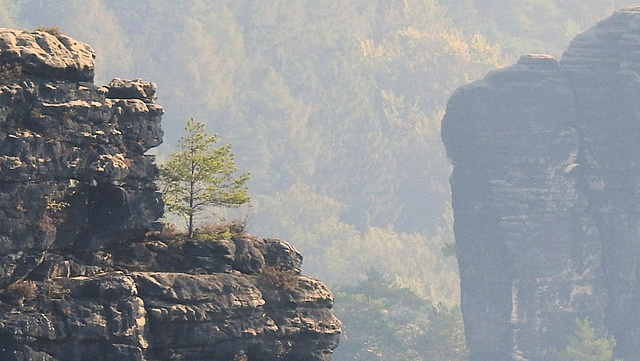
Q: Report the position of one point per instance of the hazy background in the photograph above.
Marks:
(334, 106)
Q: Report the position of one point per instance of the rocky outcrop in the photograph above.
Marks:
(53, 56)
(514, 203)
(545, 189)
(86, 272)
(545, 194)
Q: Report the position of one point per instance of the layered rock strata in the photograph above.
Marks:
(545, 189)
(85, 272)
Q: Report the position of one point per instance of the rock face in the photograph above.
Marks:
(546, 194)
(85, 274)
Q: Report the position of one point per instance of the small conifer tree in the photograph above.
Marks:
(200, 176)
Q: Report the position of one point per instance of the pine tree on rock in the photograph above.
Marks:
(200, 176)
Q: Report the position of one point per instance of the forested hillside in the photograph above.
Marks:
(532, 26)
(334, 106)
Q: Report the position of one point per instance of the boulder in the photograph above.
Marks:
(47, 54)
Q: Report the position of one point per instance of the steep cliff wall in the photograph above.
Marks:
(83, 276)
(546, 194)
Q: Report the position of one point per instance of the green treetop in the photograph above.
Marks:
(200, 176)
(585, 346)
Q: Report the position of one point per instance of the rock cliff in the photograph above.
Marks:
(85, 273)
(546, 196)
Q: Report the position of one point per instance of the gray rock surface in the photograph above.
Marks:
(84, 272)
(545, 189)
(43, 54)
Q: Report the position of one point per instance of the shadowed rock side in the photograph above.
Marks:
(545, 189)
(83, 275)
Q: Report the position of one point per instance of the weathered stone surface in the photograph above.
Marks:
(76, 318)
(281, 254)
(545, 193)
(46, 55)
(132, 89)
(73, 174)
(167, 315)
(84, 272)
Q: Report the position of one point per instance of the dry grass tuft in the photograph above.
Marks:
(53, 30)
(279, 278)
(27, 289)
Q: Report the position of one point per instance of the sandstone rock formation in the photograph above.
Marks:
(546, 195)
(84, 272)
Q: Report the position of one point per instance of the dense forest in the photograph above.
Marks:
(335, 109)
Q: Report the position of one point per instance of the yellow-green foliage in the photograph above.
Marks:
(207, 232)
(214, 232)
(201, 175)
(585, 346)
(55, 206)
(385, 321)
(338, 253)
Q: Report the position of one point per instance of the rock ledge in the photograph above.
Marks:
(83, 274)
